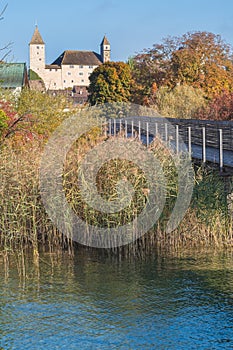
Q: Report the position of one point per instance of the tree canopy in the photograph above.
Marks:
(110, 82)
(199, 59)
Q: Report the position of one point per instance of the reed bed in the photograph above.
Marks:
(25, 224)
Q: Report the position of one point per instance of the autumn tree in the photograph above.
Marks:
(203, 61)
(32, 115)
(110, 82)
(200, 59)
(152, 69)
(219, 108)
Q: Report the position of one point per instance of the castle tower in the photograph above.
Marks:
(37, 53)
(105, 50)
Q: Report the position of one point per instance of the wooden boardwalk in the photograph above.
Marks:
(206, 141)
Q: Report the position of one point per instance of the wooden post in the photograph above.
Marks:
(105, 128)
(126, 132)
(109, 127)
(166, 132)
(220, 150)
(203, 145)
(132, 129)
(139, 130)
(156, 129)
(177, 139)
(147, 134)
(120, 126)
(114, 127)
(190, 141)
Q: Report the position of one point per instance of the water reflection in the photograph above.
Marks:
(97, 302)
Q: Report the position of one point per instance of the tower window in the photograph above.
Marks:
(71, 66)
(68, 73)
(80, 66)
(38, 47)
(81, 73)
(91, 67)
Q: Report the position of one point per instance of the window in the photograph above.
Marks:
(90, 67)
(72, 81)
(39, 59)
(55, 84)
(71, 66)
(69, 73)
(80, 66)
(38, 47)
(80, 73)
(64, 81)
(50, 70)
(82, 81)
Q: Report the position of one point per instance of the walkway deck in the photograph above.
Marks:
(207, 141)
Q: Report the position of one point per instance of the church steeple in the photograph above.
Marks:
(105, 50)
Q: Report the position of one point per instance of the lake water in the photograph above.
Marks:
(97, 302)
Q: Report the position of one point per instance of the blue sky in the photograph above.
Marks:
(129, 25)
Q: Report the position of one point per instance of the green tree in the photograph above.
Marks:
(40, 112)
(110, 82)
(33, 75)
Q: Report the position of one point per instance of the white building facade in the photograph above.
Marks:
(71, 68)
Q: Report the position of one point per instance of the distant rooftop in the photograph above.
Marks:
(78, 58)
(13, 75)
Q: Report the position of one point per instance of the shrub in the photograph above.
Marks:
(180, 102)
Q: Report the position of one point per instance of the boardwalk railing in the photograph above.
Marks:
(210, 141)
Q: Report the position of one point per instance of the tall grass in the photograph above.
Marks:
(25, 224)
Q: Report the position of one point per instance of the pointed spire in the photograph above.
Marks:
(36, 38)
(105, 41)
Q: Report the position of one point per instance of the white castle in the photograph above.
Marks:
(71, 68)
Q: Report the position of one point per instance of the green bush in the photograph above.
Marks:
(180, 102)
(3, 121)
